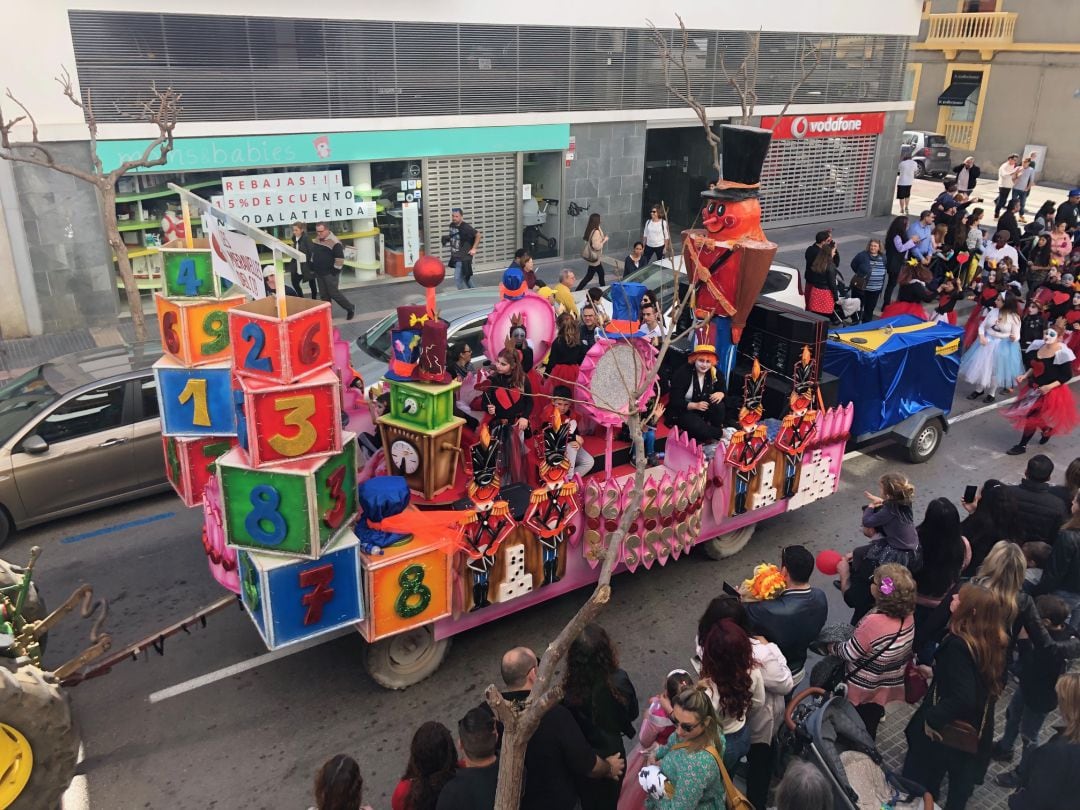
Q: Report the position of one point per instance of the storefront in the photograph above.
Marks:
(363, 183)
(820, 167)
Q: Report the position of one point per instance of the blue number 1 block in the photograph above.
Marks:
(195, 401)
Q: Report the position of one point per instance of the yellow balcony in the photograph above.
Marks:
(960, 134)
(985, 32)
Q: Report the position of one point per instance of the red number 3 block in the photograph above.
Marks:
(289, 422)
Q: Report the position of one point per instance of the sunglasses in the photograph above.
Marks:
(688, 727)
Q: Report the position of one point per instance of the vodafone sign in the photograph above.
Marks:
(840, 125)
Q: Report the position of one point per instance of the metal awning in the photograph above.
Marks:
(963, 84)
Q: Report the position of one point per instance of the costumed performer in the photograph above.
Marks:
(750, 442)
(696, 400)
(995, 362)
(553, 504)
(1032, 328)
(508, 401)
(912, 293)
(581, 460)
(489, 522)
(949, 295)
(986, 291)
(1072, 329)
(567, 352)
(1048, 405)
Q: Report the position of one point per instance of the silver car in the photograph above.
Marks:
(79, 432)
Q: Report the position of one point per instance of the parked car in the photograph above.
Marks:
(782, 284)
(79, 432)
(930, 150)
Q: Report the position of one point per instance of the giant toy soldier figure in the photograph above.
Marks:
(750, 441)
(554, 503)
(800, 424)
(489, 522)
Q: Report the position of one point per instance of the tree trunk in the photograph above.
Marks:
(123, 263)
(511, 772)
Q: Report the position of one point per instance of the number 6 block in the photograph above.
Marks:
(293, 600)
(289, 422)
(266, 347)
(195, 401)
(195, 331)
(189, 463)
(295, 509)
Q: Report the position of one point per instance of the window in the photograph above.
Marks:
(92, 412)
(148, 395)
(910, 90)
(978, 6)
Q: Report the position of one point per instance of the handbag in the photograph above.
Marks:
(858, 282)
(960, 734)
(915, 684)
(589, 253)
(734, 799)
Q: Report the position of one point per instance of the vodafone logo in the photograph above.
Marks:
(827, 126)
(838, 124)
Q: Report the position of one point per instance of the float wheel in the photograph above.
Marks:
(400, 661)
(727, 545)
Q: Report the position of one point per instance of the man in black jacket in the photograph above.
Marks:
(967, 174)
(1040, 512)
(793, 619)
(558, 753)
(1061, 576)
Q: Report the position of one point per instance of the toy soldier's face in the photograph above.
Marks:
(730, 220)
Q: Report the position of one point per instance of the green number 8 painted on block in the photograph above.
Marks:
(412, 585)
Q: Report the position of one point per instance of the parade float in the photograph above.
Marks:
(438, 530)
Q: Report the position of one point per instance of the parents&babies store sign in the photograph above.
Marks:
(278, 199)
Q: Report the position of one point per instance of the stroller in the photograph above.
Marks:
(825, 730)
(848, 309)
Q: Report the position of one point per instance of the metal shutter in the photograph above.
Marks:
(487, 189)
(817, 179)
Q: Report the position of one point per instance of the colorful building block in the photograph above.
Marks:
(423, 405)
(406, 586)
(220, 557)
(265, 347)
(195, 331)
(293, 600)
(288, 422)
(295, 509)
(195, 401)
(189, 271)
(189, 463)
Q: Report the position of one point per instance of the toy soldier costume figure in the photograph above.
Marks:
(800, 424)
(554, 503)
(730, 257)
(489, 522)
(750, 441)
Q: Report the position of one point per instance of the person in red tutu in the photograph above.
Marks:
(911, 295)
(821, 290)
(986, 292)
(567, 353)
(1047, 405)
(508, 401)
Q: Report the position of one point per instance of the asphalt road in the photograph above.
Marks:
(255, 740)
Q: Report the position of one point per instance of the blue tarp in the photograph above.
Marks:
(890, 376)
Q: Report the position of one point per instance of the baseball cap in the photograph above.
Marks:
(1074, 192)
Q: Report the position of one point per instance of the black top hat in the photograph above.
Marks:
(743, 154)
(485, 461)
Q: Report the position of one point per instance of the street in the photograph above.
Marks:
(256, 739)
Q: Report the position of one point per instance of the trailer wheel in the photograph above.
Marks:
(925, 443)
(400, 661)
(38, 742)
(727, 545)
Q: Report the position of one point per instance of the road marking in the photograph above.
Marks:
(77, 796)
(244, 666)
(119, 527)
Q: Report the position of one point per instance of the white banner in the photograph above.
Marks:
(324, 205)
(235, 257)
(410, 232)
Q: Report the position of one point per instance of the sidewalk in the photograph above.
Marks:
(377, 299)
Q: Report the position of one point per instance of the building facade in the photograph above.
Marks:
(1000, 76)
(529, 124)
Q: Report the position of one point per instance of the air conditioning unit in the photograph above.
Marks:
(610, 40)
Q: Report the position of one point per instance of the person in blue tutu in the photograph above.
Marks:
(994, 361)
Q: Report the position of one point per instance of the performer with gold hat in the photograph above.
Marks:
(696, 401)
(800, 424)
(750, 442)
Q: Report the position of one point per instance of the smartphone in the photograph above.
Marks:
(969, 493)
(730, 590)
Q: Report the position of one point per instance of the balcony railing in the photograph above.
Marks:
(980, 31)
(959, 133)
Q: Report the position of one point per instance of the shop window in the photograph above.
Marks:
(399, 181)
(960, 123)
(910, 89)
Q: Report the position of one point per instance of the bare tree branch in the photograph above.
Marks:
(808, 53)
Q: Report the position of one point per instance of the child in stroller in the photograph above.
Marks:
(825, 730)
(848, 307)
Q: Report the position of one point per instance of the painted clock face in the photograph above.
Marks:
(405, 456)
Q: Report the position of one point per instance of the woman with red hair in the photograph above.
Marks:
(733, 684)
